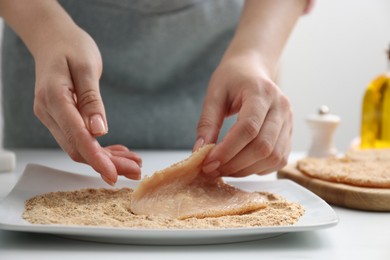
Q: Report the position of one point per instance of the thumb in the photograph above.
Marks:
(89, 101)
(210, 122)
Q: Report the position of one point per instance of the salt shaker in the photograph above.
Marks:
(7, 161)
(323, 124)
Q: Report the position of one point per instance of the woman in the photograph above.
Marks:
(158, 58)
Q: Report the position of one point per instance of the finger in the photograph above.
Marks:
(247, 128)
(93, 153)
(121, 156)
(276, 160)
(286, 150)
(260, 148)
(85, 78)
(128, 155)
(127, 167)
(123, 151)
(261, 167)
(50, 123)
(211, 119)
(62, 109)
(117, 147)
(54, 129)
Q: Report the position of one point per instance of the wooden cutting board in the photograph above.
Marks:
(373, 199)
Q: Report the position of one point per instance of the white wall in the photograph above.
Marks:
(332, 55)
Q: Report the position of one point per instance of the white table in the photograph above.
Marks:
(359, 234)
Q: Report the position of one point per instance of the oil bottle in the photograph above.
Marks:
(375, 122)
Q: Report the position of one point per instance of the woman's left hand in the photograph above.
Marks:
(260, 141)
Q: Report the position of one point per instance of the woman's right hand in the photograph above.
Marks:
(67, 100)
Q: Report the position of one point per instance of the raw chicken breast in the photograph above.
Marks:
(183, 191)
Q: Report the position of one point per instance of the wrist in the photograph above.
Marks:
(250, 57)
(50, 35)
(36, 22)
(263, 31)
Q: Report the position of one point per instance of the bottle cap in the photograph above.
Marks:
(323, 115)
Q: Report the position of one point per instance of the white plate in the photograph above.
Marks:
(38, 179)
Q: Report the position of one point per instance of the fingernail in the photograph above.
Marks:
(199, 143)
(96, 125)
(109, 182)
(210, 167)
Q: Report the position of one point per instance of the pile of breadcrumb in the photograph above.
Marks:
(111, 208)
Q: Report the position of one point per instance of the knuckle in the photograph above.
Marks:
(88, 68)
(275, 158)
(38, 111)
(84, 67)
(40, 95)
(40, 98)
(251, 128)
(268, 88)
(285, 103)
(252, 88)
(72, 145)
(205, 123)
(43, 99)
(88, 98)
(263, 147)
(37, 108)
(69, 137)
(283, 162)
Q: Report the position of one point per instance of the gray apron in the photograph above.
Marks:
(158, 57)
